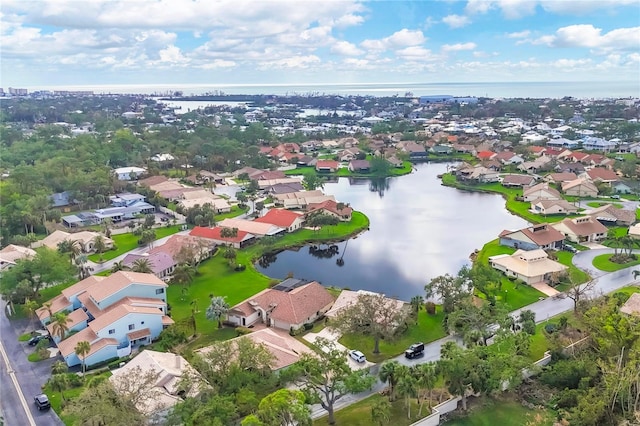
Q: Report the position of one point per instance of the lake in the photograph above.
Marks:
(419, 230)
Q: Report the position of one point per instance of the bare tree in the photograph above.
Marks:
(578, 292)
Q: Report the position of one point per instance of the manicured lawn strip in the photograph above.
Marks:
(127, 242)
(516, 295)
(24, 337)
(519, 208)
(235, 211)
(34, 357)
(428, 329)
(359, 413)
(603, 263)
(601, 203)
(578, 276)
(493, 248)
(503, 413)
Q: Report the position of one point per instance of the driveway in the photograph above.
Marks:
(584, 261)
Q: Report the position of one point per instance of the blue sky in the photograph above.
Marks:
(108, 42)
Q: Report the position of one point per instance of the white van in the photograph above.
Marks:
(357, 356)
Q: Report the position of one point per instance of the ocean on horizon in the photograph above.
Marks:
(585, 90)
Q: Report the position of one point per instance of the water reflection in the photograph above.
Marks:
(323, 252)
(379, 185)
(419, 229)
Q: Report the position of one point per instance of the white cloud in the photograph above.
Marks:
(588, 36)
(458, 47)
(217, 64)
(344, 48)
(292, 62)
(415, 53)
(172, 54)
(515, 9)
(456, 21)
(520, 34)
(402, 38)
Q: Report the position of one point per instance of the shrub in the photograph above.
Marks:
(308, 326)
(241, 331)
(430, 307)
(550, 328)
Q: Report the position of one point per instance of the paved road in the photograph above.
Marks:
(584, 261)
(544, 309)
(30, 377)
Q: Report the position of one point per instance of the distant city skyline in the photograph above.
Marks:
(262, 42)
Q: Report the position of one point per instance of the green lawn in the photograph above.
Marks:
(603, 263)
(235, 211)
(428, 329)
(359, 414)
(600, 204)
(127, 242)
(493, 248)
(577, 275)
(24, 337)
(503, 413)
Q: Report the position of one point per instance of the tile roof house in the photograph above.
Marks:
(289, 305)
(532, 266)
(86, 240)
(540, 191)
(548, 207)
(611, 215)
(580, 188)
(582, 229)
(162, 264)
(599, 174)
(518, 181)
(560, 177)
(349, 297)
(242, 239)
(259, 229)
(542, 236)
(330, 207)
(361, 166)
(301, 199)
(12, 253)
(114, 314)
(266, 183)
(167, 387)
(327, 166)
(285, 188)
(282, 218)
(486, 155)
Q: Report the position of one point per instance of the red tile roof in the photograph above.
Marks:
(485, 155)
(327, 164)
(214, 234)
(330, 206)
(279, 217)
(599, 173)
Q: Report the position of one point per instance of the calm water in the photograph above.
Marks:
(419, 230)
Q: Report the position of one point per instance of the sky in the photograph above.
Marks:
(111, 42)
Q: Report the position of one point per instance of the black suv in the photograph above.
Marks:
(42, 402)
(415, 350)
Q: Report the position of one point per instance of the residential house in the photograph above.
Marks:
(632, 305)
(541, 191)
(575, 168)
(621, 188)
(86, 240)
(542, 236)
(13, 253)
(214, 235)
(162, 264)
(267, 183)
(532, 266)
(486, 155)
(300, 200)
(282, 218)
(327, 166)
(552, 207)
(175, 244)
(330, 207)
(114, 314)
(559, 178)
(583, 229)
(167, 387)
(287, 306)
(129, 173)
(518, 181)
(349, 297)
(415, 151)
(634, 231)
(359, 166)
(580, 188)
(152, 180)
(598, 144)
(534, 166)
(479, 174)
(285, 188)
(601, 175)
(612, 216)
(350, 154)
(259, 229)
(441, 149)
(62, 200)
(285, 349)
(508, 157)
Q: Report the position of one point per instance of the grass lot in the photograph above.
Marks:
(428, 329)
(359, 414)
(503, 413)
(603, 263)
(235, 211)
(600, 204)
(577, 275)
(519, 208)
(127, 242)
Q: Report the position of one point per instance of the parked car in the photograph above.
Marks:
(570, 248)
(42, 402)
(357, 356)
(415, 350)
(36, 339)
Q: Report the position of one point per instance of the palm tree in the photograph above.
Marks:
(72, 247)
(389, 372)
(59, 325)
(59, 367)
(426, 376)
(407, 387)
(99, 245)
(47, 306)
(194, 311)
(118, 266)
(183, 274)
(59, 382)
(106, 225)
(381, 412)
(82, 350)
(217, 309)
(83, 269)
(416, 303)
(142, 265)
(31, 306)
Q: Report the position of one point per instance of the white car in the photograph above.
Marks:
(357, 356)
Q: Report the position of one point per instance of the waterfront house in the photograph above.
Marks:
(518, 181)
(584, 229)
(532, 266)
(551, 207)
(327, 166)
(114, 314)
(214, 235)
(542, 236)
(301, 199)
(340, 210)
(541, 191)
(259, 229)
(359, 166)
(612, 216)
(282, 218)
(287, 306)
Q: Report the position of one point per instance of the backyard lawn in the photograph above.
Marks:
(603, 263)
(493, 248)
(428, 329)
(578, 276)
(503, 413)
(127, 242)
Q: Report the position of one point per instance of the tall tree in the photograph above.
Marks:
(70, 247)
(82, 349)
(390, 372)
(218, 308)
(183, 274)
(451, 290)
(60, 325)
(578, 292)
(327, 377)
(381, 412)
(373, 315)
(60, 383)
(284, 407)
(99, 245)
